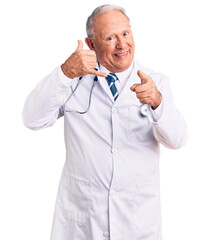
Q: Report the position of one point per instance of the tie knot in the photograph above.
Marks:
(111, 77)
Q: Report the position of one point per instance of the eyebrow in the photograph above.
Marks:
(113, 33)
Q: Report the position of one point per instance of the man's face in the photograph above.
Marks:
(113, 41)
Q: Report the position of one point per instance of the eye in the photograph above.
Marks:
(110, 38)
(125, 34)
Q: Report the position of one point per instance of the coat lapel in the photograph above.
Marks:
(134, 78)
(105, 87)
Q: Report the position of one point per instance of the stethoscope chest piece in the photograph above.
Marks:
(143, 110)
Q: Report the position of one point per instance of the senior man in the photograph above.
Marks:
(116, 113)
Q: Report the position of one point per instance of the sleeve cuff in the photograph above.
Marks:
(63, 78)
(155, 115)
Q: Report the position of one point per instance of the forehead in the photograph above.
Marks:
(112, 21)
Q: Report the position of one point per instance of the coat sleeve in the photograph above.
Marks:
(169, 126)
(43, 106)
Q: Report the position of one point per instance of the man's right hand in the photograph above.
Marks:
(80, 63)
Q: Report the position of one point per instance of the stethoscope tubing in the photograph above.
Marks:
(90, 96)
(143, 107)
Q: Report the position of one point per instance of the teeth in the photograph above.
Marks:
(121, 54)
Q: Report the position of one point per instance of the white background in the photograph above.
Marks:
(171, 37)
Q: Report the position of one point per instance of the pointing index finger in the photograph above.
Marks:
(144, 78)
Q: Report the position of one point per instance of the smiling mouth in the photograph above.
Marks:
(120, 54)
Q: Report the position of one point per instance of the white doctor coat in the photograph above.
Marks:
(109, 188)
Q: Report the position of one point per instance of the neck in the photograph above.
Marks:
(109, 69)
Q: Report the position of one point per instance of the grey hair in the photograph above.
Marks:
(98, 11)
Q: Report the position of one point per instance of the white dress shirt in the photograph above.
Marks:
(122, 76)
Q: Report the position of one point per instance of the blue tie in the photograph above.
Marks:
(111, 78)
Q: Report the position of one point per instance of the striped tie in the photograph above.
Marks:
(111, 78)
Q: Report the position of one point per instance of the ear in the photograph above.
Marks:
(89, 42)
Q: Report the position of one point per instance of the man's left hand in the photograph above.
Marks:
(147, 91)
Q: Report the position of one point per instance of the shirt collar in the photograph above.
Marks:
(122, 76)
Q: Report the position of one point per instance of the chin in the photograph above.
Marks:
(123, 66)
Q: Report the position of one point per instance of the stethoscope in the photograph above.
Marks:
(90, 95)
(143, 107)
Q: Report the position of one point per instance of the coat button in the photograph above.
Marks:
(114, 110)
(106, 234)
(114, 150)
(111, 192)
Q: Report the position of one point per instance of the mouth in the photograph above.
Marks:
(120, 54)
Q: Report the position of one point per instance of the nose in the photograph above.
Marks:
(120, 43)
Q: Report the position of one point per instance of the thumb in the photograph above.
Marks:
(80, 45)
(144, 78)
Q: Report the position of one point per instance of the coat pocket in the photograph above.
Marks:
(75, 198)
(139, 128)
(146, 210)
